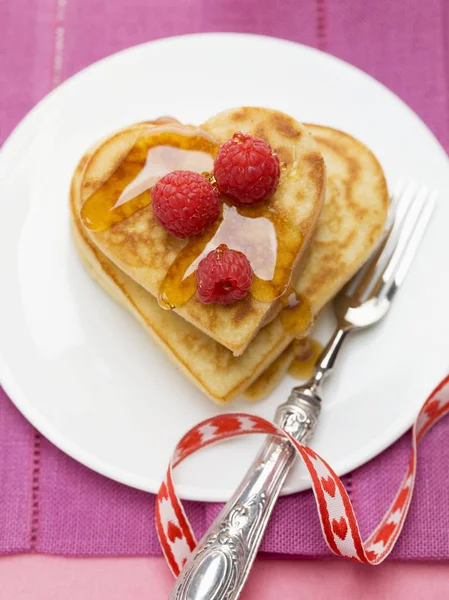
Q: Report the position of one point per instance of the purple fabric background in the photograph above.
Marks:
(48, 502)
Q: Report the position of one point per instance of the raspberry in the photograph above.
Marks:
(246, 169)
(223, 276)
(185, 203)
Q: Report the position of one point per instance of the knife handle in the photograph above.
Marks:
(220, 564)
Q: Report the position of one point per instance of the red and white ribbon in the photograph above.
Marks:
(335, 511)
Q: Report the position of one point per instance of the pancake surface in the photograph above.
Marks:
(349, 227)
(352, 220)
(142, 249)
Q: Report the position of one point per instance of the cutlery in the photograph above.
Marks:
(221, 562)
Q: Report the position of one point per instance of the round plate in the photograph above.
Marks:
(83, 371)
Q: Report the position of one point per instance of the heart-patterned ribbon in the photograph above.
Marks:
(335, 511)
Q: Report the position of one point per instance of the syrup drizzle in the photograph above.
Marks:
(307, 353)
(157, 152)
(269, 379)
(255, 231)
(260, 231)
(296, 315)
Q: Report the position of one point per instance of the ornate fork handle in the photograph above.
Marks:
(222, 560)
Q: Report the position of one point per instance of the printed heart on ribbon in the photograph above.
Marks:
(385, 533)
(173, 532)
(328, 486)
(432, 408)
(371, 556)
(228, 424)
(190, 441)
(340, 527)
(334, 507)
(400, 500)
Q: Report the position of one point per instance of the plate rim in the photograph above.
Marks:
(11, 385)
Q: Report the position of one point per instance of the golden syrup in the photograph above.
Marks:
(160, 150)
(255, 231)
(179, 283)
(269, 378)
(266, 237)
(296, 314)
(307, 352)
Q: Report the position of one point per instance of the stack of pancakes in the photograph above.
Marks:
(332, 200)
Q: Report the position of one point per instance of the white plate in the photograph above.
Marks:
(82, 370)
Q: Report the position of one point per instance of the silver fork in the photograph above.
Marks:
(218, 568)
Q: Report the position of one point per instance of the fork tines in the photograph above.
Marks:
(411, 209)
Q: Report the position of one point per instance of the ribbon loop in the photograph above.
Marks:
(334, 507)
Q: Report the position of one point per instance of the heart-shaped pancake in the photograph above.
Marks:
(114, 195)
(350, 226)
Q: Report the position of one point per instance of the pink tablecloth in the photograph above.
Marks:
(76, 512)
(51, 578)
(401, 42)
